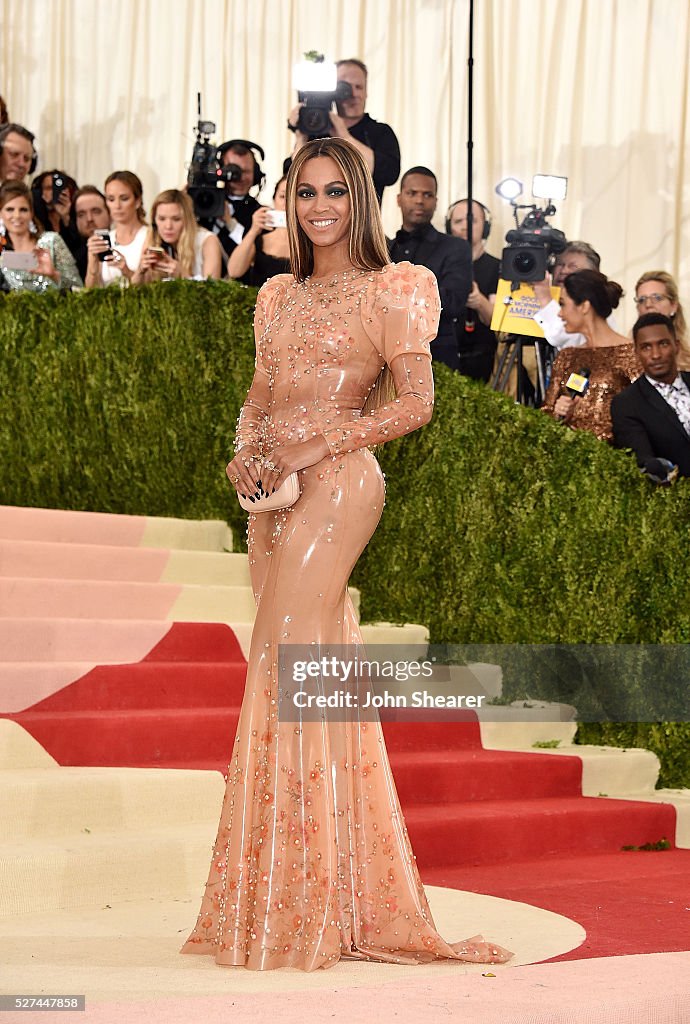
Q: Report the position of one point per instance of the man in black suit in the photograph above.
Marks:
(652, 415)
(449, 259)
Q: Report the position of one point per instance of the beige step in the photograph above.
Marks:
(52, 802)
(89, 869)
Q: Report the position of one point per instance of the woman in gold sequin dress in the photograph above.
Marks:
(312, 860)
(587, 299)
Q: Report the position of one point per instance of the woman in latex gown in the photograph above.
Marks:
(312, 861)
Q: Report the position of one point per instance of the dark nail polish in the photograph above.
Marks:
(244, 496)
(251, 499)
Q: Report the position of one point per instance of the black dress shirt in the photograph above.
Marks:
(450, 260)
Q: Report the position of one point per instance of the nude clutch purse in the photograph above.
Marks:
(286, 495)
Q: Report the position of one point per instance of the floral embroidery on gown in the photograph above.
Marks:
(312, 860)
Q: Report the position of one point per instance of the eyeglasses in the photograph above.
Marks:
(645, 300)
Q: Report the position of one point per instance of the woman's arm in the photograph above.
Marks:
(211, 258)
(65, 265)
(242, 257)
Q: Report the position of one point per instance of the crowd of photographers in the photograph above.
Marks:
(57, 235)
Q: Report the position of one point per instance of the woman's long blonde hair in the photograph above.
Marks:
(184, 250)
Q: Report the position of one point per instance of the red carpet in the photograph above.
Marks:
(632, 902)
(464, 805)
(508, 824)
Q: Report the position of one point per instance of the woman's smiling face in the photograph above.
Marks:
(323, 205)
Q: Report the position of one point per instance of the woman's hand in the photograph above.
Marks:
(46, 267)
(62, 206)
(563, 408)
(542, 291)
(117, 260)
(259, 222)
(166, 266)
(288, 458)
(474, 299)
(244, 471)
(95, 245)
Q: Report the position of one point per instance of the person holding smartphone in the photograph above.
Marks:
(114, 255)
(175, 245)
(32, 259)
(265, 250)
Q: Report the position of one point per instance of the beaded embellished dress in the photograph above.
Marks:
(312, 860)
(611, 369)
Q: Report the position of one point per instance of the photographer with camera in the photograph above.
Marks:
(52, 193)
(242, 172)
(374, 140)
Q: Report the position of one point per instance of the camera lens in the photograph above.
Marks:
(313, 120)
(524, 262)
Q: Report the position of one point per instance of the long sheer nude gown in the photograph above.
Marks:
(312, 861)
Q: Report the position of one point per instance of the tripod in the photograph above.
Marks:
(528, 391)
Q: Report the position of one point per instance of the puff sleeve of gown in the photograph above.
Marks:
(400, 314)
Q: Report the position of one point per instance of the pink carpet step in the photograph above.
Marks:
(65, 526)
(92, 599)
(33, 559)
(503, 830)
(51, 560)
(102, 641)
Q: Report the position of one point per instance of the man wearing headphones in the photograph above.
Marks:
(240, 206)
(476, 340)
(18, 158)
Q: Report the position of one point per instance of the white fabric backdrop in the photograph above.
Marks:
(593, 89)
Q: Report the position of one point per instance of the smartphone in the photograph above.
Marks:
(58, 186)
(19, 260)
(276, 219)
(157, 252)
(105, 235)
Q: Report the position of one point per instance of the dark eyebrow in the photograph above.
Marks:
(306, 184)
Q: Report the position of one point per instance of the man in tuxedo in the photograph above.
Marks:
(449, 258)
(652, 415)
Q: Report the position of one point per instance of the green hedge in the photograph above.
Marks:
(124, 401)
(501, 526)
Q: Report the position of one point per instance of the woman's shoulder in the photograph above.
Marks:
(274, 290)
(403, 284)
(48, 240)
(275, 285)
(406, 275)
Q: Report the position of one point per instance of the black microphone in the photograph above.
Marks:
(577, 384)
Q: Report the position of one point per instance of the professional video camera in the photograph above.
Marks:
(532, 243)
(318, 88)
(206, 177)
